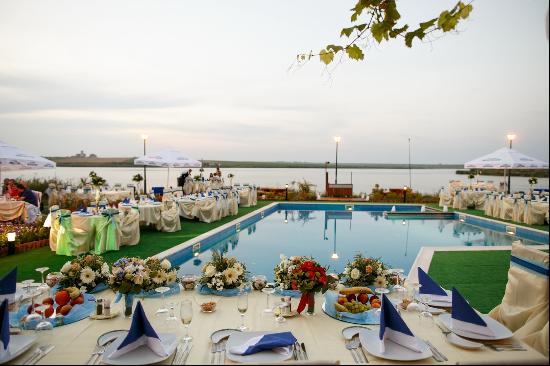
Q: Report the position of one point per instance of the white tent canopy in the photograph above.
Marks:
(506, 158)
(168, 158)
(12, 158)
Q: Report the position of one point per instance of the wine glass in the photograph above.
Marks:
(52, 279)
(380, 291)
(171, 319)
(27, 284)
(242, 307)
(42, 270)
(163, 309)
(186, 316)
(44, 324)
(268, 289)
(280, 309)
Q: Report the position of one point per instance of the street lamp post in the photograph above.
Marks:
(511, 138)
(337, 139)
(286, 192)
(405, 194)
(144, 137)
(334, 254)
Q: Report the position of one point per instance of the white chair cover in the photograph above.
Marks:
(129, 226)
(169, 218)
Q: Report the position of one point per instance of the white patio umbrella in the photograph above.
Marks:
(506, 158)
(12, 158)
(168, 158)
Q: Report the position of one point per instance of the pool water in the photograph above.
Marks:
(320, 234)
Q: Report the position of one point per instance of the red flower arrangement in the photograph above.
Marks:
(310, 277)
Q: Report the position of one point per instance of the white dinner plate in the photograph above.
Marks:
(18, 345)
(393, 351)
(499, 330)
(462, 342)
(239, 338)
(141, 355)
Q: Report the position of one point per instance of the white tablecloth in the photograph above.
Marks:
(320, 333)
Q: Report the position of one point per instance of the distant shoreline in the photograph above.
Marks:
(129, 163)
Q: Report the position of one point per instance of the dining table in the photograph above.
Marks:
(12, 210)
(321, 334)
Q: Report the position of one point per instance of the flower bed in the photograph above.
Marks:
(27, 236)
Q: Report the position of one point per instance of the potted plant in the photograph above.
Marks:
(138, 179)
(532, 182)
(223, 276)
(364, 271)
(309, 277)
(230, 176)
(89, 273)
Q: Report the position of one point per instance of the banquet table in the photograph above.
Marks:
(115, 196)
(463, 199)
(12, 210)
(149, 213)
(320, 333)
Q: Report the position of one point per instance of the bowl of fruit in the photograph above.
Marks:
(355, 305)
(67, 306)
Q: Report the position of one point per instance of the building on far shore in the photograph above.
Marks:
(82, 154)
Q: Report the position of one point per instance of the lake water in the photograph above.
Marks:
(423, 180)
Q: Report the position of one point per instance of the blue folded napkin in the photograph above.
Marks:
(465, 318)
(393, 328)
(277, 342)
(429, 286)
(4, 326)
(141, 333)
(126, 201)
(8, 286)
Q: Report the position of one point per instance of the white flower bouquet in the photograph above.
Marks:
(284, 270)
(364, 271)
(222, 273)
(131, 276)
(161, 272)
(87, 273)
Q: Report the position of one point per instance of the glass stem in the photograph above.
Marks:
(186, 330)
(242, 320)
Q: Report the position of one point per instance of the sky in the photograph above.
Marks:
(214, 79)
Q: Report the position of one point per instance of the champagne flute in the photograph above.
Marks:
(268, 289)
(242, 307)
(186, 316)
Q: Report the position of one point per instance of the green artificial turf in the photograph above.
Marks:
(151, 242)
(480, 276)
(481, 213)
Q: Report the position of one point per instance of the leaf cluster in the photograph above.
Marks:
(382, 25)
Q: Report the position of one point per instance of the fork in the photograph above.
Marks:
(352, 347)
(361, 348)
(213, 351)
(222, 352)
(37, 352)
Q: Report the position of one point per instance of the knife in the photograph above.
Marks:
(304, 349)
(41, 355)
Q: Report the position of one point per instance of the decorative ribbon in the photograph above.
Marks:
(304, 301)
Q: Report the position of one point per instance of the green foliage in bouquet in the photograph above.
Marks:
(223, 273)
(363, 271)
(86, 271)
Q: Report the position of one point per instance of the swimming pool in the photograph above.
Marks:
(333, 234)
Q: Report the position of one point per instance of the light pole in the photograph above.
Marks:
(286, 192)
(511, 138)
(337, 139)
(144, 137)
(405, 194)
(334, 254)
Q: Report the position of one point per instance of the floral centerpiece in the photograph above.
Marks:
(283, 274)
(309, 277)
(161, 272)
(222, 274)
(363, 271)
(87, 273)
(532, 181)
(130, 276)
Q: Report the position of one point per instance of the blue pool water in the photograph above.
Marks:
(321, 233)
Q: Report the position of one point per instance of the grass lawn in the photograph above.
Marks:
(151, 242)
(481, 213)
(480, 276)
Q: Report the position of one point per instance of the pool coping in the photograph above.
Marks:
(231, 227)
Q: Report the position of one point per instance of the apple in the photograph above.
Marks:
(351, 297)
(65, 309)
(30, 307)
(375, 305)
(62, 298)
(47, 301)
(342, 300)
(78, 300)
(49, 312)
(363, 298)
(373, 297)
